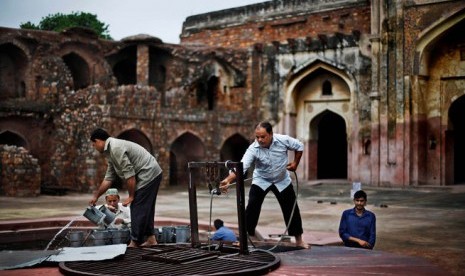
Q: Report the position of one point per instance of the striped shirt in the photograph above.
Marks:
(270, 163)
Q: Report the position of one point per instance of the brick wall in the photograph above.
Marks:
(309, 19)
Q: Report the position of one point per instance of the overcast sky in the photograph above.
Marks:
(159, 18)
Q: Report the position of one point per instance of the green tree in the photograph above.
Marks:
(58, 22)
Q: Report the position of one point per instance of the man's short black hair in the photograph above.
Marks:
(218, 223)
(100, 134)
(266, 125)
(359, 194)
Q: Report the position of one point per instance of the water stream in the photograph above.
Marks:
(59, 232)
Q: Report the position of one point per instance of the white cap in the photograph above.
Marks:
(112, 191)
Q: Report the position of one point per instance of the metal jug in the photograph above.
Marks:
(182, 234)
(94, 215)
(120, 236)
(109, 215)
(167, 234)
(76, 239)
(101, 237)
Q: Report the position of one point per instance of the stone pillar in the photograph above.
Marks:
(143, 64)
(375, 153)
(407, 145)
(375, 96)
(375, 140)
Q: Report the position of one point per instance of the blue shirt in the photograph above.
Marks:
(224, 234)
(363, 227)
(270, 163)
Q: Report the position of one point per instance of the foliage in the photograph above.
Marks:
(58, 22)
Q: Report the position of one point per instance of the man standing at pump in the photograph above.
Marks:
(269, 155)
(142, 174)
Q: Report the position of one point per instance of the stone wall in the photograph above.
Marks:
(201, 91)
(20, 172)
(277, 21)
(269, 61)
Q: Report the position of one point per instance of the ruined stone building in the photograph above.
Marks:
(374, 89)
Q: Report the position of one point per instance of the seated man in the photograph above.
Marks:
(223, 233)
(358, 225)
(123, 214)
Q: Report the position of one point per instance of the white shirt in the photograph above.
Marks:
(122, 213)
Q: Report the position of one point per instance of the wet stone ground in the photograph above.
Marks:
(425, 222)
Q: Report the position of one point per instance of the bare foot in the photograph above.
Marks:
(151, 241)
(303, 245)
(299, 242)
(132, 244)
(147, 244)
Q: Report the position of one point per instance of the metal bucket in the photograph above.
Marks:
(101, 237)
(76, 239)
(183, 234)
(120, 236)
(94, 215)
(167, 234)
(109, 215)
(157, 234)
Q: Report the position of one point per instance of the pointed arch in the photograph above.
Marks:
(437, 83)
(186, 148)
(79, 69)
(429, 36)
(85, 63)
(234, 148)
(11, 138)
(304, 98)
(307, 69)
(138, 137)
(124, 65)
(13, 63)
(304, 101)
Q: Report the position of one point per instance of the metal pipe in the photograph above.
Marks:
(194, 220)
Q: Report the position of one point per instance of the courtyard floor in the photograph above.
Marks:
(424, 222)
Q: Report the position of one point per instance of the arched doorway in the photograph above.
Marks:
(13, 63)
(137, 137)
(12, 139)
(124, 65)
(314, 91)
(212, 88)
(186, 148)
(233, 148)
(331, 146)
(79, 70)
(456, 136)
